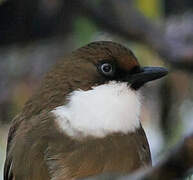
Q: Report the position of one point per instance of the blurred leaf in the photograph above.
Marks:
(151, 8)
(83, 30)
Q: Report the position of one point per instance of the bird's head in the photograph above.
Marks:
(110, 61)
(95, 90)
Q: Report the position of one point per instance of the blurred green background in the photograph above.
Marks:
(35, 34)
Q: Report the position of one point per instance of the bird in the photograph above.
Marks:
(84, 119)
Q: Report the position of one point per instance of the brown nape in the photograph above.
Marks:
(65, 77)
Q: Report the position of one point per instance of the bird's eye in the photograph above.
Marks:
(107, 69)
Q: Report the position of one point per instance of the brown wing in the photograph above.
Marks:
(25, 150)
(8, 174)
(143, 147)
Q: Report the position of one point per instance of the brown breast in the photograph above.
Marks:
(115, 153)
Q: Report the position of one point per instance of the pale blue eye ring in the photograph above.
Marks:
(107, 69)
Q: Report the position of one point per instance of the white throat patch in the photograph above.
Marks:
(104, 109)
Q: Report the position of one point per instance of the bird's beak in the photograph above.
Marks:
(145, 75)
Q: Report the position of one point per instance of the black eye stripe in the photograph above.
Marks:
(111, 70)
(135, 70)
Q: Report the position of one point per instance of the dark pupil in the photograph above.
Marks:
(107, 68)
